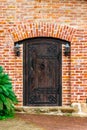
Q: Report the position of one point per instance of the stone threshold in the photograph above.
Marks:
(73, 110)
(54, 110)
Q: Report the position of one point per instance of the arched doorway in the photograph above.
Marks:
(42, 71)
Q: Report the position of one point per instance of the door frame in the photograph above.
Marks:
(25, 72)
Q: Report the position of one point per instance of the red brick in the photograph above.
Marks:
(58, 19)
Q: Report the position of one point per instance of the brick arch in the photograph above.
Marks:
(42, 29)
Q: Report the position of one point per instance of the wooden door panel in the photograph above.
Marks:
(43, 72)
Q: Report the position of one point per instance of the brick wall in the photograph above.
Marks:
(64, 19)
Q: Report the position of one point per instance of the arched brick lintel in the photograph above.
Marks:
(29, 30)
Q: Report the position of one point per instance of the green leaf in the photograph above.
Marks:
(1, 105)
(1, 90)
(7, 104)
(5, 91)
(2, 98)
(1, 69)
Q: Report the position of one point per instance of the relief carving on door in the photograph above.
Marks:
(43, 73)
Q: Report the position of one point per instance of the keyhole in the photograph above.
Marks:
(42, 66)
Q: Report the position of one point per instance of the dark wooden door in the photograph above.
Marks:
(42, 62)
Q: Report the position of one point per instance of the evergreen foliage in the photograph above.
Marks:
(7, 96)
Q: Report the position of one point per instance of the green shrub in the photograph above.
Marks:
(7, 96)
